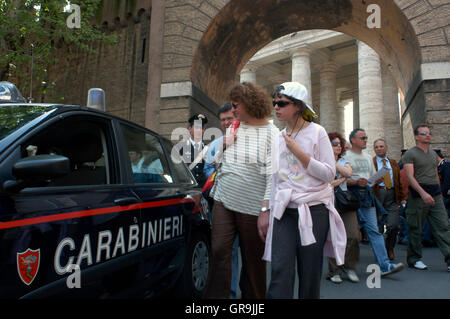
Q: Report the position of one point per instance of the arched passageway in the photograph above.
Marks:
(187, 53)
(241, 28)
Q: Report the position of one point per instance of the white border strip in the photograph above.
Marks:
(435, 70)
(176, 89)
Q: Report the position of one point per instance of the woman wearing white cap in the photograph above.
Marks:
(304, 225)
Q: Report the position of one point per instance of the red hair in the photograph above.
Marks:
(334, 135)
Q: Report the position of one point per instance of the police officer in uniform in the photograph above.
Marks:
(193, 150)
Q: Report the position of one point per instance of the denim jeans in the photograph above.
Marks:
(367, 217)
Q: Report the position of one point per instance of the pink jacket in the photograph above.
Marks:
(337, 238)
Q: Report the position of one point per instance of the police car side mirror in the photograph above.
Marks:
(33, 170)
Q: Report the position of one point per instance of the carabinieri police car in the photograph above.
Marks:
(94, 206)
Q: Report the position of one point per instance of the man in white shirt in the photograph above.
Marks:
(137, 161)
(363, 169)
(226, 117)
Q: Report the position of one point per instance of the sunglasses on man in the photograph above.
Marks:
(425, 133)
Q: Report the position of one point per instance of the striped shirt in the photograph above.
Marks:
(243, 181)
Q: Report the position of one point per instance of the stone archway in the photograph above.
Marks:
(188, 52)
(241, 28)
(412, 41)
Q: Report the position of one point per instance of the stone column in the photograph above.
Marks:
(403, 127)
(328, 99)
(340, 112)
(370, 94)
(355, 109)
(248, 73)
(155, 63)
(301, 69)
(392, 127)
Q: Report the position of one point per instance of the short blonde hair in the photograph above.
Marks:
(256, 100)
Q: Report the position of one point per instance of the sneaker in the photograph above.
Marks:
(420, 265)
(336, 279)
(392, 268)
(351, 275)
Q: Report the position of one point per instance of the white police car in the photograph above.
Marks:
(93, 206)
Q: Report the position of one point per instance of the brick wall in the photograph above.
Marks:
(121, 71)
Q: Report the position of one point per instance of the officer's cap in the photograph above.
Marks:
(198, 117)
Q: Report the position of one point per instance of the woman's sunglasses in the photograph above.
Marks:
(336, 144)
(281, 103)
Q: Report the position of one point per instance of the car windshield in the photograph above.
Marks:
(12, 117)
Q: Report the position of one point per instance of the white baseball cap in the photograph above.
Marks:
(297, 91)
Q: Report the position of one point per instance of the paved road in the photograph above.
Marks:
(433, 283)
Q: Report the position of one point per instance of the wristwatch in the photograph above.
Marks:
(264, 209)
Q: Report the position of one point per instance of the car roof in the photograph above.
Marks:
(62, 108)
(70, 107)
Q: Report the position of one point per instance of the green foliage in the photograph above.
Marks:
(41, 26)
(15, 116)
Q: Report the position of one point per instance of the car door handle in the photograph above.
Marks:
(125, 201)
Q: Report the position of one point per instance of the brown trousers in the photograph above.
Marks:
(350, 220)
(225, 225)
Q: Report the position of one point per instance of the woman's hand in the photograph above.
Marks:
(345, 170)
(291, 144)
(338, 181)
(263, 224)
(228, 140)
(296, 149)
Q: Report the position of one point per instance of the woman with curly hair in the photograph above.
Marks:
(344, 171)
(241, 195)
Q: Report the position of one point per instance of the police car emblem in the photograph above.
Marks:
(28, 264)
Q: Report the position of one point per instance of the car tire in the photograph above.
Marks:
(193, 280)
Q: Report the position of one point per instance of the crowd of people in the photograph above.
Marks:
(274, 196)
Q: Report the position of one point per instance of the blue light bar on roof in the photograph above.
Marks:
(9, 93)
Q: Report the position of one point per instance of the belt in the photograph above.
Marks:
(384, 187)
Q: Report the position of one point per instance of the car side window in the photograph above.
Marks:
(147, 160)
(84, 145)
(183, 173)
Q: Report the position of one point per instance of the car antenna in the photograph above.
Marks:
(30, 98)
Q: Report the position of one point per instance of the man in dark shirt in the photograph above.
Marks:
(424, 199)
